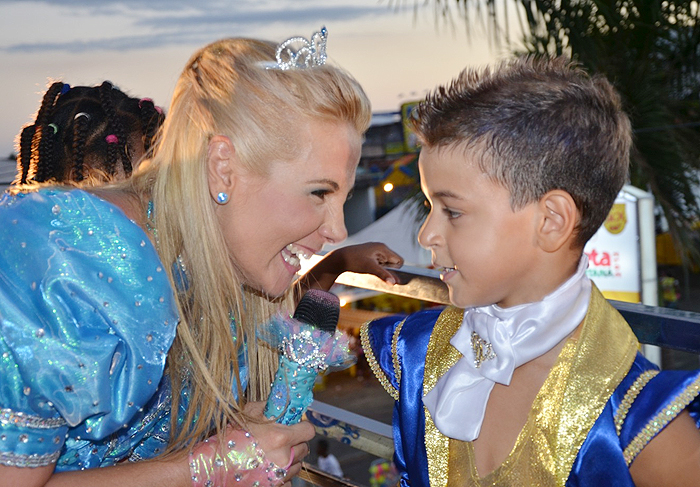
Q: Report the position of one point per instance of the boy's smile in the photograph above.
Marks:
(488, 251)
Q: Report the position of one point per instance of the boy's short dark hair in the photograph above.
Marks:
(540, 124)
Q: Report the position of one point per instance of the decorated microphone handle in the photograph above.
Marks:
(305, 352)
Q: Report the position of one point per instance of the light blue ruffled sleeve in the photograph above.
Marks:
(87, 316)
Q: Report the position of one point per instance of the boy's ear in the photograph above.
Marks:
(558, 219)
(220, 165)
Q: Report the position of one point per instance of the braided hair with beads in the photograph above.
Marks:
(96, 133)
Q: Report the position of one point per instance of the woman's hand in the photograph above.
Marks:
(265, 454)
(366, 258)
(279, 441)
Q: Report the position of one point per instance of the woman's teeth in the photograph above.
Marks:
(292, 254)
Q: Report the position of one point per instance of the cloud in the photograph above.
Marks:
(101, 6)
(246, 18)
(160, 23)
(125, 43)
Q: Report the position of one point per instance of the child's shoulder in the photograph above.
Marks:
(648, 422)
(381, 334)
(398, 343)
(649, 399)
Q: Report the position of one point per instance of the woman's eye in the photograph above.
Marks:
(320, 193)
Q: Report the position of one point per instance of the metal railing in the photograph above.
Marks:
(662, 327)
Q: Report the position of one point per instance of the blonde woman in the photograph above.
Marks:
(129, 312)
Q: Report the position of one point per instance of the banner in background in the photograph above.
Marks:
(410, 141)
(614, 254)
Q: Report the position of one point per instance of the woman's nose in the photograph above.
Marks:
(333, 229)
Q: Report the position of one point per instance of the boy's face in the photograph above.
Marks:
(487, 250)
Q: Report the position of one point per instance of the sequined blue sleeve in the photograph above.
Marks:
(87, 316)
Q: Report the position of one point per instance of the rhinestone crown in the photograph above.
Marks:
(300, 53)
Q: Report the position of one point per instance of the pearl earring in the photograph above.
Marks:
(222, 198)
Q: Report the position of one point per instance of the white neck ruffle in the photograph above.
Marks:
(516, 335)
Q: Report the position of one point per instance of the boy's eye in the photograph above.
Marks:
(451, 214)
(427, 204)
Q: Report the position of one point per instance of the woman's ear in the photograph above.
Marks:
(220, 166)
(558, 220)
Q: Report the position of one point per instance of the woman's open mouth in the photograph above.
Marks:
(292, 255)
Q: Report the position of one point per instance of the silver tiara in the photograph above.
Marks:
(299, 53)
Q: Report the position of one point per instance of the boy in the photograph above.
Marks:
(537, 380)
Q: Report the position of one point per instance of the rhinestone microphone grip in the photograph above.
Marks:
(292, 392)
(308, 344)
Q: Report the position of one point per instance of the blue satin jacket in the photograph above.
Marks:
(642, 403)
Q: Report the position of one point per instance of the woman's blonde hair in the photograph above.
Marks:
(226, 89)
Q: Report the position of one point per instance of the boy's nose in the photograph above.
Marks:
(427, 236)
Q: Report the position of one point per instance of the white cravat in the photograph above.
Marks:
(493, 342)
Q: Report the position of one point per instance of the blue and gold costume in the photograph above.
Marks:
(600, 405)
(87, 316)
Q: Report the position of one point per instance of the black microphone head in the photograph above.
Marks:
(318, 309)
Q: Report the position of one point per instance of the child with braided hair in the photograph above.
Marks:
(80, 133)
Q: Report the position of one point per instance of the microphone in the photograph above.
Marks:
(319, 309)
(308, 344)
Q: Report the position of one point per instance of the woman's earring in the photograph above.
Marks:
(222, 198)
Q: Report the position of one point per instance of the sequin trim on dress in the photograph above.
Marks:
(162, 408)
(24, 420)
(10, 459)
(630, 396)
(372, 361)
(656, 424)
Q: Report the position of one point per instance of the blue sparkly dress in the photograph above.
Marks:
(87, 316)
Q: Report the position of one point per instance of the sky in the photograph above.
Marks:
(397, 49)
